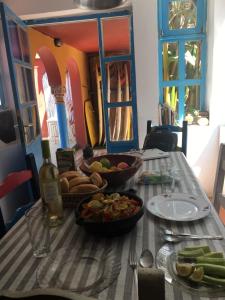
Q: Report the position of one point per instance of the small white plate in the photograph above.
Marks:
(178, 207)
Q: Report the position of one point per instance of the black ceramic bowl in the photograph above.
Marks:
(111, 228)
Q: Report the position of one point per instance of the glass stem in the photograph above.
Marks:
(173, 185)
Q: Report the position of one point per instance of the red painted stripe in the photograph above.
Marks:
(14, 180)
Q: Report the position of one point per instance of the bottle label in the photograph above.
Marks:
(51, 191)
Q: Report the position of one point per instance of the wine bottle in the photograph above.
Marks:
(50, 187)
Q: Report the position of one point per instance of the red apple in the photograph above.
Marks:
(122, 165)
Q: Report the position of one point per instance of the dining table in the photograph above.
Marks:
(19, 268)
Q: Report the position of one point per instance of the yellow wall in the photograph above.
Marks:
(62, 55)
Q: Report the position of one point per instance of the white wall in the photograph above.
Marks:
(215, 89)
(203, 142)
(216, 61)
(146, 58)
(33, 9)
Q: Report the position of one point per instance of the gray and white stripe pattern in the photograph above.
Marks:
(18, 266)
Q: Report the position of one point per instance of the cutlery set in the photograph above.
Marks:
(134, 264)
(145, 261)
(175, 237)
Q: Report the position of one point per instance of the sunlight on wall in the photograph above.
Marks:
(196, 170)
(202, 154)
(217, 108)
(40, 97)
(62, 56)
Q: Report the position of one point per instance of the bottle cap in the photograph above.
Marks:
(45, 149)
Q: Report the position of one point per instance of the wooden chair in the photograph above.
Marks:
(218, 197)
(2, 225)
(14, 180)
(165, 137)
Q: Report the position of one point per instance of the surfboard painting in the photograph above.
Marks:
(117, 124)
(91, 123)
(108, 99)
(126, 97)
(100, 109)
(111, 97)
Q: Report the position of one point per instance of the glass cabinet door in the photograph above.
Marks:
(123, 47)
(118, 74)
(118, 92)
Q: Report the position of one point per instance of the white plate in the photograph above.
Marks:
(178, 207)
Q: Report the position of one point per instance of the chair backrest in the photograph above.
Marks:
(2, 225)
(218, 197)
(14, 180)
(31, 165)
(167, 134)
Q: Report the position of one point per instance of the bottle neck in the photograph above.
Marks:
(47, 160)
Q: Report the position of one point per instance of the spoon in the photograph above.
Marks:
(177, 239)
(146, 259)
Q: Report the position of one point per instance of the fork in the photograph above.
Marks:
(133, 262)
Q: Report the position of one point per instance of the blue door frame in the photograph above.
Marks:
(112, 146)
(34, 146)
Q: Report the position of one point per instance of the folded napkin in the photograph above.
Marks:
(151, 284)
(155, 153)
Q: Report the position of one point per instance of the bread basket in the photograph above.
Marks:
(72, 199)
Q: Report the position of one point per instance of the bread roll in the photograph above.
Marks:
(78, 180)
(96, 179)
(70, 174)
(64, 185)
(84, 188)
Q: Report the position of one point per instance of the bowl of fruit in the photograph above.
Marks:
(115, 168)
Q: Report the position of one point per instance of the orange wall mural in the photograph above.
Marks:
(39, 70)
(64, 56)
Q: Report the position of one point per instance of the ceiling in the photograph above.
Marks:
(84, 35)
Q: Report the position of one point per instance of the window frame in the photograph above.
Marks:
(182, 37)
(163, 17)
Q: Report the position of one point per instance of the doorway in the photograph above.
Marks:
(102, 51)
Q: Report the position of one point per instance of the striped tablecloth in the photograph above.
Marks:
(18, 266)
